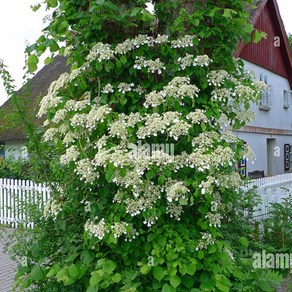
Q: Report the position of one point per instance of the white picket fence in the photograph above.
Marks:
(271, 190)
(18, 198)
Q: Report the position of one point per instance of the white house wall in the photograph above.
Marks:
(275, 123)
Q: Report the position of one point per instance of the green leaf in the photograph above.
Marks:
(26, 282)
(124, 60)
(158, 273)
(96, 277)
(48, 60)
(145, 269)
(161, 179)
(222, 287)
(99, 2)
(32, 62)
(52, 3)
(200, 254)
(110, 174)
(86, 257)
(243, 241)
(195, 21)
(135, 11)
(258, 35)
(191, 269)
(213, 11)
(265, 286)
(167, 288)
(188, 281)
(116, 278)
(228, 13)
(54, 47)
(37, 274)
(73, 271)
(109, 266)
(175, 281)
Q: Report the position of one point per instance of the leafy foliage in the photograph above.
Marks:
(145, 222)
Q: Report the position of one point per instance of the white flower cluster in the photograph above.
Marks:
(150, 221)
(50, 134)
(245, 116)
(174, 210)
(108, 88)
(153, 99)
(87, 206)
(186, 41)
(52, 208)
(60, 115)
(214, 219)
(130, 44)
(178, 88)
(125, 87)
(145, 198)
(100, 52)
(69, 138)
(248, 153)
(261, 85)
(205, 241)
(245, 93)
(190, 60)
(73, 105)
(176, 191)
(119, 229)
(97, 114)
(227, 181)
(222, 95)
(207, 185)
(206, 140)
(169, 123)
(52, 100)
(98, 230)
(152, 66)
(71, 155)
(198, 116)
(217, 77)
(84, 168)
(180, 128)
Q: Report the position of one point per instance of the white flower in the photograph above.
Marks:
(98, 230)
(100, 52)
(71, 155)
(107, 89)
(205, 241)
(186, 41)
(125, 87)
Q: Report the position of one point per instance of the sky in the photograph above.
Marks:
(19, 25)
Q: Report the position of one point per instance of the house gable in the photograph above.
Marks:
(273, 53)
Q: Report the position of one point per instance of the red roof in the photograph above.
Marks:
(273, 53)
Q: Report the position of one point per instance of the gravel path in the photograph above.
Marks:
(7, 266)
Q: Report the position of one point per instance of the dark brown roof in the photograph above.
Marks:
(28, 98)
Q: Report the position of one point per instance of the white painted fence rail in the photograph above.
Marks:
(17, 198)
(271, 190)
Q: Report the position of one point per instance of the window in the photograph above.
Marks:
(287, 157)
(2, 149)
(265, 102)
(287, 98)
